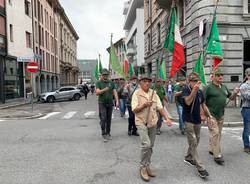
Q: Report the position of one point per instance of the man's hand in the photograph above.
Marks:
(105, 89)
(148, 103)
(197, 86)
(236, 90)
(168, 121)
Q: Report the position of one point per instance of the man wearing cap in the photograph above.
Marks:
(245, 111)
(130, 89)
(193, 100)
(179, 102)
(105, 89)
(160, 91)
(145, 103)
(216, 95)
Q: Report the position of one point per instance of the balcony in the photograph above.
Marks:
(131, 51)
(164, 4)
(126, 7)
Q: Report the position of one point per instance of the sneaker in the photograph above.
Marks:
(247, 150)
(129, 133)
(182, 132)
(109, 137)
(158, 132)
(104, 138)
(190, 162)
(211, 153)
(203, 173)
(219, 160)
(135, 134)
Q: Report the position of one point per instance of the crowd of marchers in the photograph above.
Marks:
(146, 101)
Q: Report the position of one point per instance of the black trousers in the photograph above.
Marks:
(105, 114)
(131, 120)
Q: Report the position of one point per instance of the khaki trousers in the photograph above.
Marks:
(215, 128)
(147, 139)
(193, 138)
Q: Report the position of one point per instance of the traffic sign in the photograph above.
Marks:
(32, 67)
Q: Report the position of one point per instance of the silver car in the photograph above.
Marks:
(66, 92)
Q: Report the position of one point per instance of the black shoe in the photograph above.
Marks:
(190, 162)
(219, 160)
(211, 153)
(129, 133)
(182, 132)
(203, 174)
(104, 138)
(135, 134)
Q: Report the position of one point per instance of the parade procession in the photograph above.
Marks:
(125, 91)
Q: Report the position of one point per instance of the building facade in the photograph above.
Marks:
(121, 55)
(3, 48)
(54, 42)
(20, 44)
(233, 20)
(87, 70)
(68, 50)
(134, 32)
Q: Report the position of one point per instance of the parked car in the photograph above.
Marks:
(66, 92)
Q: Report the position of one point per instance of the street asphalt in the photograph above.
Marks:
(64, 146)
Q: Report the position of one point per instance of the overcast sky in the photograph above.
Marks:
(93, 21)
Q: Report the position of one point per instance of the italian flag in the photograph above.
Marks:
(174, 44)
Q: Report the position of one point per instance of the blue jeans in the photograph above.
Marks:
(181, 122)
(170, 96)
(122, 106)
(245, 112)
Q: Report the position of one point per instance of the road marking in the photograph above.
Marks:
(89, 114)
(1, 120)
(69, 115)
(49, 115)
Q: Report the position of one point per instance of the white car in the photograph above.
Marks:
(66, 92)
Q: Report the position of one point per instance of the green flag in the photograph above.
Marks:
(163, 71)
(199, 68)
(169, 41)
(214, 45)
(131, 70)
(100, 66)
(96, 73)
(115, 64)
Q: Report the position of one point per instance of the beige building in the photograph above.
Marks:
(68, 50)
(55, 41)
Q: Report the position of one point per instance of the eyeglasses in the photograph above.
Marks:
(193, 80)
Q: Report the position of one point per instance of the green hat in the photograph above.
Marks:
(217, 71)
(105, 71)
(247, 71)
(193, 76)
(144, 76)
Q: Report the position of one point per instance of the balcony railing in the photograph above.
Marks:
(164, 4)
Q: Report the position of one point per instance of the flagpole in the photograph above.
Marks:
(111, 36)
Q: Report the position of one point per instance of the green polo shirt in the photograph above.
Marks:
(106, 97)
(160, 92)
(178, 99)
(216, 99)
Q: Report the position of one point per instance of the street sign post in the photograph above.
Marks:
(32, 67)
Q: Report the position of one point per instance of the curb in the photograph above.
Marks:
(27, 117)
(17, 105)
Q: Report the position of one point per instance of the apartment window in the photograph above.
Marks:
(27, 7)
(158, 33)
(248, 6)
(35, 6)
(149, 43)
(28, 39)
(10, 2)
(149, 7)
(11, 33)
(41, 11)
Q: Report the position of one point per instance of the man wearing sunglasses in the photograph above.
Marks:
(245, 111)
(216, 95)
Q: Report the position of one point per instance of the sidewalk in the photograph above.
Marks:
(19, 108)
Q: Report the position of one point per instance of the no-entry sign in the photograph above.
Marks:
(32, 67)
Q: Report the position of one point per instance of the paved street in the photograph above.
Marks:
(65, 147)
